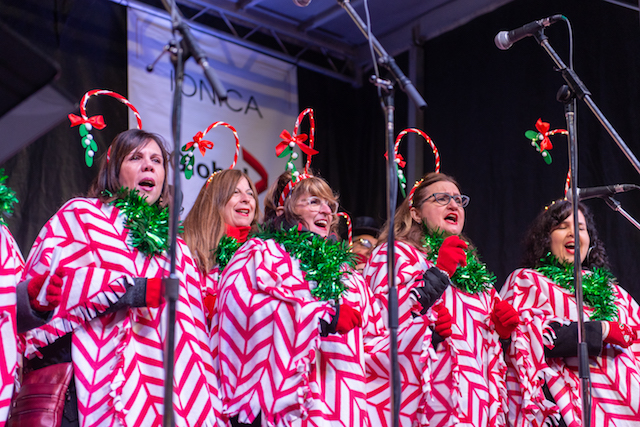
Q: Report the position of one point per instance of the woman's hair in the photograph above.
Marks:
(110, 163)
(204, 226)
(314, 185)
(537, 240)
(405, 228)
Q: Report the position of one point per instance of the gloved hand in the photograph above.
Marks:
(451, 255)
(618, 334)
(144, 293)
(505, 318)
(444, 321)
(348, 318)
(435, 283)
(345, 319)
(153, 296)
(54, 290)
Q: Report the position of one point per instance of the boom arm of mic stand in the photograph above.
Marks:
(385, 60)
(583, 93)
(192, 48)
(616, 206)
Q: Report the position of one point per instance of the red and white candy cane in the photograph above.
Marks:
(86, 124)
(434, 149)
(289, 187)
(203, 145)
(567, 184)
(95, 92)
(295, 177)
(312, 132)
(349, 226)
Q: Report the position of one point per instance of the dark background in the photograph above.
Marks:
(481, 101)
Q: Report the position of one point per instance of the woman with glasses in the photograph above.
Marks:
(543, 376)
(292, 317)
(450, 318)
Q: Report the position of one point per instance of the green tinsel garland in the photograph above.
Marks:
(7, 198)
(321, 259)
(225, 250)
(473, 278)
(148, 225)
(597, 291)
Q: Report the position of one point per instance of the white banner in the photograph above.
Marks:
(262, 100)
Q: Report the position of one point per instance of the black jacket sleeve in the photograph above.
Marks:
(26, 317)
(566, 342)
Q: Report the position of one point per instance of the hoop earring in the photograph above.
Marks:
(589, 253)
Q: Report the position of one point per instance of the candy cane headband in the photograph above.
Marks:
(285, 147)
(540, 139)
(203, 145)
(349, 226)
(400, 163)
(85, 123)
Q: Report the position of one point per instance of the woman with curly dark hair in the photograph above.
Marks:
(543, 381)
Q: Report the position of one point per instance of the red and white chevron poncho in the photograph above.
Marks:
(459, 384)
(118, 358)
(11, 266)
(615, 373)
(273, 360)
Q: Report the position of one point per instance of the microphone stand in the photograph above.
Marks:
(579, 90)
(568, 98)
(616, 206)
(180, 53)
(388, 106)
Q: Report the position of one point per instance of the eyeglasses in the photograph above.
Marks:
(444, 199)
(314, 204)
(364, 242)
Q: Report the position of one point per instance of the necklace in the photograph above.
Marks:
(148, 225)
(321, 259)
(597, 289)
(472, 278)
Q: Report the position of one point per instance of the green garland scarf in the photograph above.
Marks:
(7, 198)
(597, 289)
(321, 259)
(472, 278)
(225, 250)
(148, 225)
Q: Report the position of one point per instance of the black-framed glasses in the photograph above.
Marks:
(444, 199)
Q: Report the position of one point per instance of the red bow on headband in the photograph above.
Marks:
(401, 163)
(96, 121)
(543, 128)
(203, 145)
(299, 140)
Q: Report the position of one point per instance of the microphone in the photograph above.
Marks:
(606, 191)
(301, 3)
(504, 39)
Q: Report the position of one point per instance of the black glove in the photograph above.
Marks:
(435, 283)
(135, 296)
